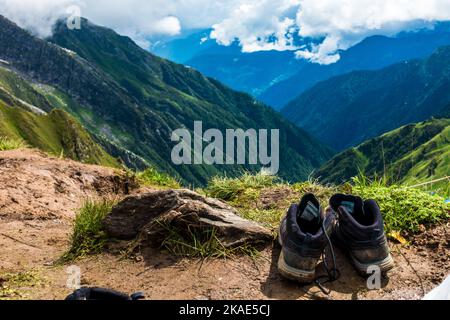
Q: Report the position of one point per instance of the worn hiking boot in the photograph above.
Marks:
(360, 232)
(303, 239)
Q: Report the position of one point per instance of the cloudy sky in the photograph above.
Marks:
(257, 24)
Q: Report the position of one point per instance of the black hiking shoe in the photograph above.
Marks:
(360, 232)
(304, 234)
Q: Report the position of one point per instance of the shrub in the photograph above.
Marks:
(88, 236)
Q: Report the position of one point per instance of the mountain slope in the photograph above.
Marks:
(411, 154)
(186, 47)
(249, 72)
(373, 53)
(276, 78)
(253, 73)
(136, 100)
(347, 110)
(22, 117)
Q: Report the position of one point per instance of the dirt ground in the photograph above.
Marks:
(35, 228)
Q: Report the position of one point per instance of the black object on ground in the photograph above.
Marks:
(102, 294)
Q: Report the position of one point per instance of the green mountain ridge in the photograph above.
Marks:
(411, 154)
(123, 94)
(23, 116)
(347, 110)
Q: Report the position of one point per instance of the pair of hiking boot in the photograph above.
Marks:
(354, 225)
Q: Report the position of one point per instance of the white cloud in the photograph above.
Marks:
(138, 19)
(259, 25)
(37, 16)
(343, 23)
(256, 24)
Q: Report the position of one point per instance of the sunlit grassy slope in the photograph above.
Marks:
(27, 116)
(410, 155)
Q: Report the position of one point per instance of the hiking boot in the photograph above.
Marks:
(303, 239)
(360, 232)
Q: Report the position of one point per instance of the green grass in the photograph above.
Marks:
(55, 132)
(404, 209)
(246, 192)
(265, 201)
(410, 155)
(11, 144)
(201, 244)
(12, 284)
(88, 237)
(269, 218)
(228, 189)
(152, 177)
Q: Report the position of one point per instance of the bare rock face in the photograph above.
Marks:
(148, 215)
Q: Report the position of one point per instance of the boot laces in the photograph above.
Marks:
(333, 273)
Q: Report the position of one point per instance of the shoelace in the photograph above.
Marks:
(333, 273)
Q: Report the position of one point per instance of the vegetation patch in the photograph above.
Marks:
(404, 209)
(229, 189)
(266, 199)
(152, 177)
(201, 244)
(11, 144)
(416, 154)
(88, 237)
(12, 285)
(263, 198)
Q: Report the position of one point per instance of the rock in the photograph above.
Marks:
(149, 214)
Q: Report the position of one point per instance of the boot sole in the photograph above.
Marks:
(291, 273)
(385, 265)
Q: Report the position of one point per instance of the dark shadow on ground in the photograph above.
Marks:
(158, 259)
(350, 282)
(155, 258)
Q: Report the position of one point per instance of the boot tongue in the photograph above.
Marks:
(354, 207)
(310, 216)
(349, 206)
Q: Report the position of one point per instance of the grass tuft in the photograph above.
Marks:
(201, 244)
(88, 237)
(11, 144)
(228, 189)
(152, 177)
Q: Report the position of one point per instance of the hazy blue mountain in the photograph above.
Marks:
(184, 48)
(349, 109)
(249, 72)
(372, 53)
(278, 77)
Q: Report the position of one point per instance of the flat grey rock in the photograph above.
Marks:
(148, 215)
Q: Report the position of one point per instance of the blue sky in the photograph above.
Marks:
(255, 23)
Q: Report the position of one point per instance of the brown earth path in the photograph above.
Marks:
(39, 196)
